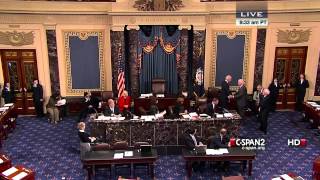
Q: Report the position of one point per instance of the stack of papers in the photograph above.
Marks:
(217, 151)
(8, 105)
(61, 102)
(118, 155)
(20, 176)
(147, 118)
(186, 116)
(286, 177)
(4, 108)
(145, 95)
(219, 115)
(10, 171)
(160, 95)
(193, 114)
(128, 153)
(227, 115)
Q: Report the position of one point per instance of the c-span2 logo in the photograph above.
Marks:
(249, 144)
(297, 142)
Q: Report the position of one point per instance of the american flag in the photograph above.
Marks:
(121, 79)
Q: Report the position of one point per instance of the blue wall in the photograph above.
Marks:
(84, 57)
(230, 57)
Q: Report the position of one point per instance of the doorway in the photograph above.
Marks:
(20, 69)
(289, 64)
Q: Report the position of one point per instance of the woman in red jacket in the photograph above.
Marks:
(124, 101)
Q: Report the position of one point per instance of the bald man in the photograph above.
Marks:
(111, 109)
(265, 107)
(241, 98)
(225, 91)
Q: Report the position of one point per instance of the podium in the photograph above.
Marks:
(17, 173)
(5, 163)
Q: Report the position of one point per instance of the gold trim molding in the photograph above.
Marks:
(293, 36)
(231, 34)
(83, 35)
(16, 38)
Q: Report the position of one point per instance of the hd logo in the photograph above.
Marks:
(297, 142)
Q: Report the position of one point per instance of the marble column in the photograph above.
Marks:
(317, 86)
(53, 60)
(260, 49)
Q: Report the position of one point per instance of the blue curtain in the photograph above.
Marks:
(159, 53)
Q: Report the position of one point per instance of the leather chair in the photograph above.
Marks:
(105, 95)
(141, 166)
(121, 145)
(158, 86)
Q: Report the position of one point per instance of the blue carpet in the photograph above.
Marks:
(52, 151)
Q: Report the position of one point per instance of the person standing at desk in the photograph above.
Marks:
(124, 101)
(190, 142)
(225, 91)
(301, 87)
(37, 97)
(8, 93)
(111, 109)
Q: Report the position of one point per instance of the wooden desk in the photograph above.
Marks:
(163, 103)
(6, 163)
(96, 158)
(235, 154)
(6, 124)
(312, 113)
(30, 174)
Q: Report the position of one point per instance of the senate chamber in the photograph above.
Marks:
(160, 89)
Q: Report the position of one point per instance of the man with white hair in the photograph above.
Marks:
(264, 110)
(241, 98)
(225, 91)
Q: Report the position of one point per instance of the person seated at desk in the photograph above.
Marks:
(91, 105)
(8, 93)
(111, 109)
(62, 105)
(179, 108)
(190, 142)
(153, 106)
(221, 141)
(52, 109)
(124, 101)
(84, 136)
(214, 107)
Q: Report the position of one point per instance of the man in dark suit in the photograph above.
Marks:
(264, 110)
(111, 109)
(190, 142)
(91, 105)
(241, 98)
(274, 92)
(8, 93)
(214, 107)
(225, 91)
(221, 140)
(301, 87)
(37, 97)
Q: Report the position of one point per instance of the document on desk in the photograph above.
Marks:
(20, 176)
(227, 115)
(286, 177)
(277, 178)
(224, 150)
(8, 105)
(1, 161)
(213, 152)
(186, 116)
(128, 153)
(219, 115)
(118, 155)
(10, 171)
